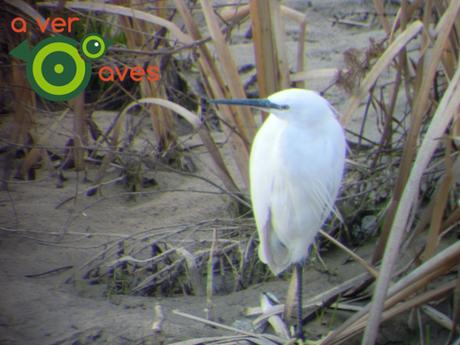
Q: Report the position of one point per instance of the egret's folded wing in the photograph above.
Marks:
(263, 170)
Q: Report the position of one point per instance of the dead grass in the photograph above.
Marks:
(401, 186)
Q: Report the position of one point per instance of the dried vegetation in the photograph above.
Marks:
(400, 187)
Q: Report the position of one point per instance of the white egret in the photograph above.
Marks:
(296, 167)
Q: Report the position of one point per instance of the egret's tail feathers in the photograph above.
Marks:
(275, 254)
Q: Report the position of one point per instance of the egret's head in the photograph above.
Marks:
(304, 106)
(293, 105)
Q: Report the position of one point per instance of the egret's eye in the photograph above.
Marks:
(265, 103)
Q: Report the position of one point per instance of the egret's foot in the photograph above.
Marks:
(300, 337)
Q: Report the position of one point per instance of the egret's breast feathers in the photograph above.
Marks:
(294, 190)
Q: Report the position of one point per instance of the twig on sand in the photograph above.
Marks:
(266, 338)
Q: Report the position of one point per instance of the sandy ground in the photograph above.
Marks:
(45, 310)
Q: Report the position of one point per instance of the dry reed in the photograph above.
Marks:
(416, 147)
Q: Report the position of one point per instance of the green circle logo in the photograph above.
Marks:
(58, 68)
(55, 68)
(93, 46)
(58, 57)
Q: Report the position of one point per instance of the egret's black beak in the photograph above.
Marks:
(262, 103)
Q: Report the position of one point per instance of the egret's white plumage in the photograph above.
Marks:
(296, 166)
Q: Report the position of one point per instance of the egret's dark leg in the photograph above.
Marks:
(298, 271)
